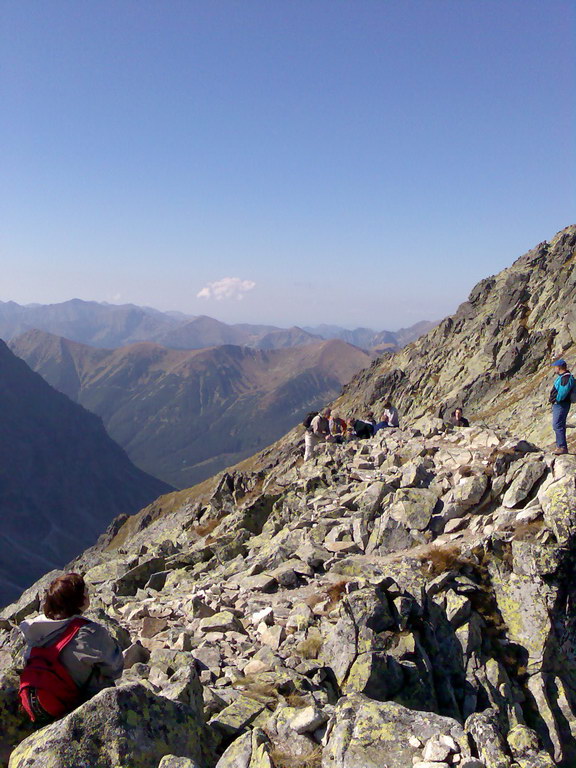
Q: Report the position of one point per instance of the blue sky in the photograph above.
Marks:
(360, 162)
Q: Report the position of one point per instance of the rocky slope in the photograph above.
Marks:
(399, 601)
(183, 415)
(62, 479)
(402, 601)
(493, 356)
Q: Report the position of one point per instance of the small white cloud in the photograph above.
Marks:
(227, 288)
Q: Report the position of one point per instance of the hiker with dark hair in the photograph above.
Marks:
(68, 658)
(457, 418)
(562, 394)
(317, 432)
(391, 414)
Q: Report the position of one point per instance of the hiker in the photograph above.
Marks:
(391, 415)
(89, 658)
(381, 424)
(372, 421)
(562, 394)
(457, 419)
(337, 428)
(363, 429)
(317, 431)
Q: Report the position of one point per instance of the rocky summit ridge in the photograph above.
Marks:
(401, 601)
(493, 355)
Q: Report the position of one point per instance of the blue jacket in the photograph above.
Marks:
(563, 386)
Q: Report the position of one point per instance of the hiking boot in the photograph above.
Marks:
(560, 451)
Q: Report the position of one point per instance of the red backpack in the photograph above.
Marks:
(46, 681)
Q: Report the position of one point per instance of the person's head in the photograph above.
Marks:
(327, 413)
(387, 405)
(370, 415)
(560, 366)
(457, 413)
(66, 596)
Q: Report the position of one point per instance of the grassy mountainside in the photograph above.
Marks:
(183, 415)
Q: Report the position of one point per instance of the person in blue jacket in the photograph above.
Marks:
(560, 397)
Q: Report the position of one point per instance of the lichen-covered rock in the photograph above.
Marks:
(369, 734)
(487, 736)
(523, 483)
(14, 724)
(125, 727)
(171, 761)
(251, 750)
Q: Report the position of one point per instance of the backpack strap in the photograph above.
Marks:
(68, 635)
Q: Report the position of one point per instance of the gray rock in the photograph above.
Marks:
(369, 734)
(523, 483)
(125, 727)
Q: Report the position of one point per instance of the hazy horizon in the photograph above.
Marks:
(255, 321)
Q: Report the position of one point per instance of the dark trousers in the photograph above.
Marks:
(559, 416)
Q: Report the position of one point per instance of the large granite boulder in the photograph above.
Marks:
(125, 727)
(368, 734)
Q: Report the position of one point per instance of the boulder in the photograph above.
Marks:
(171, 761)
(125, 727)
(414, 507)
(251, 750)
(369, 734)
(523, 483)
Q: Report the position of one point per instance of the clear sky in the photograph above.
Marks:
(360, 162)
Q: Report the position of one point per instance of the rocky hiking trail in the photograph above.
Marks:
(402, 601)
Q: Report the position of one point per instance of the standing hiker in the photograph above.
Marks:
(317, 431)
(561, 395)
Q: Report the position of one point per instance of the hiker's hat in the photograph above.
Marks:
(559, 364)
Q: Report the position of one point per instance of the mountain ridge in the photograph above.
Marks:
(106, 325)
(182, 414)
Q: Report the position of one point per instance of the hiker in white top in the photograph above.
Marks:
(317, 432)
(391, 414)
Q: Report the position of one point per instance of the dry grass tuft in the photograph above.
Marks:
(527, 531)
(314, 599)
(310, 647)
(335, 592)
(206, 528)
(436, 560)
(296, 700)
(282, 760)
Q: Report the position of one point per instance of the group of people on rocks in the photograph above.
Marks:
(328, 427)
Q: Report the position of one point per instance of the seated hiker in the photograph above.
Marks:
(458, 420)
(381, 424)
(68, 658)
(316, 432)
(363, 429)
(371, 420)
(391, 414)
(337, 428)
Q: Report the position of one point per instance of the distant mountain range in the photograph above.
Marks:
(62, 479)
(112, 326)
(184, 414)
